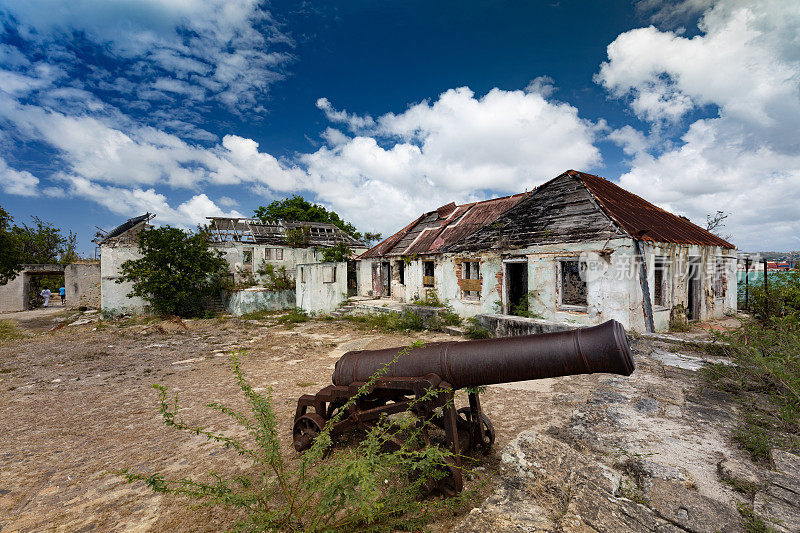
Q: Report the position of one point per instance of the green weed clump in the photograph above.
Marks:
(9, 330)
(431, 299)
(295, 316)
(361, 488)
(765, 378)
(475, 330)
(389, 322)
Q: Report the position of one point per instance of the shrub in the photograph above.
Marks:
(277, 278)
(337, 253)
(295, 316)
(765, 378)
(176, 272)
(431, 299)
(780, 299)
(361, 488)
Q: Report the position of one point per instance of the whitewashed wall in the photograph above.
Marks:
(114, 296)
(321, 287)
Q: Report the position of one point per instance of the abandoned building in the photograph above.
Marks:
(577, 249)
(249, 245)
(81, 281)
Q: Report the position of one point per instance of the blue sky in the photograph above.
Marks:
(379, 110)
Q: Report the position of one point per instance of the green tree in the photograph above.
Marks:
(40, 243)
(369, 238)
(297, 208)
(9, 251)
(176, 272)
(43, 243)
(337, 253)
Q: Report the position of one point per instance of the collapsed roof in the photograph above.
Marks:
(436, 230)
(131, 223)
(228, 229)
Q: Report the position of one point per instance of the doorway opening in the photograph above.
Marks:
(386, 278)
(352, 280)
(517, 288)
(695, 290)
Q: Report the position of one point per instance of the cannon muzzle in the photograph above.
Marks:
(602, 348)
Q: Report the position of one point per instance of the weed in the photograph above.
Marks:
(431, 299)
(765, 379)
(751, 522)
(305, 383)
(679, 326)
(632, 492)
(9, 331)
(389, 322)
(260, 315)
(475, 330)
(295, 316)
(277, 278)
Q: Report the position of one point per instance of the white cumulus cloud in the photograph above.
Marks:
(743, 69)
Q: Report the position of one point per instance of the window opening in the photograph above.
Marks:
(573, 283)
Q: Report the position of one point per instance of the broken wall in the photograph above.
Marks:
(321, 287)
(257, 299)
(82, 282)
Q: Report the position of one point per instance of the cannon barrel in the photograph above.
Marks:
(602, 348)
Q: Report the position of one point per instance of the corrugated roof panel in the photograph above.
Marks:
(431, 231)
(639, 218)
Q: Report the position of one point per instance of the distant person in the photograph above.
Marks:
(46, 295)
(63, 293)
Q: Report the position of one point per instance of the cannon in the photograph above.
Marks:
(407, 376)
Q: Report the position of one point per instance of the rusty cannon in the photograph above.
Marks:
(406, 377)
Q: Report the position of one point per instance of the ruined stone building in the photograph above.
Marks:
(248, 246)
(576, 249)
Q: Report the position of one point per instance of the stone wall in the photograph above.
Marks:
(512, 326)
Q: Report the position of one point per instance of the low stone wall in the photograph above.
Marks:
(259, 299)
(512, 326)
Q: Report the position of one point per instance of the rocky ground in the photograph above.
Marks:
(652, 452)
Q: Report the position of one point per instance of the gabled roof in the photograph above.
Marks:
(574, 206)
(643, 220)
(447, 225)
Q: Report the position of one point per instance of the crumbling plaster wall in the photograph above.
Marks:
(321, 287)
(13, 295)
(234, 255)
(256, 299)
(114, 296)
(612, 284)
(364, 277)
(676, 289)
(82, 282)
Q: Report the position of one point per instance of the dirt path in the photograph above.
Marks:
(78, 402)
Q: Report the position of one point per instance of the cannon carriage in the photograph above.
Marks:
(405, 382)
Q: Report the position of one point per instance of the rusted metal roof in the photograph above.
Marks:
(450, 224)
(442, 227)
(643, 220)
